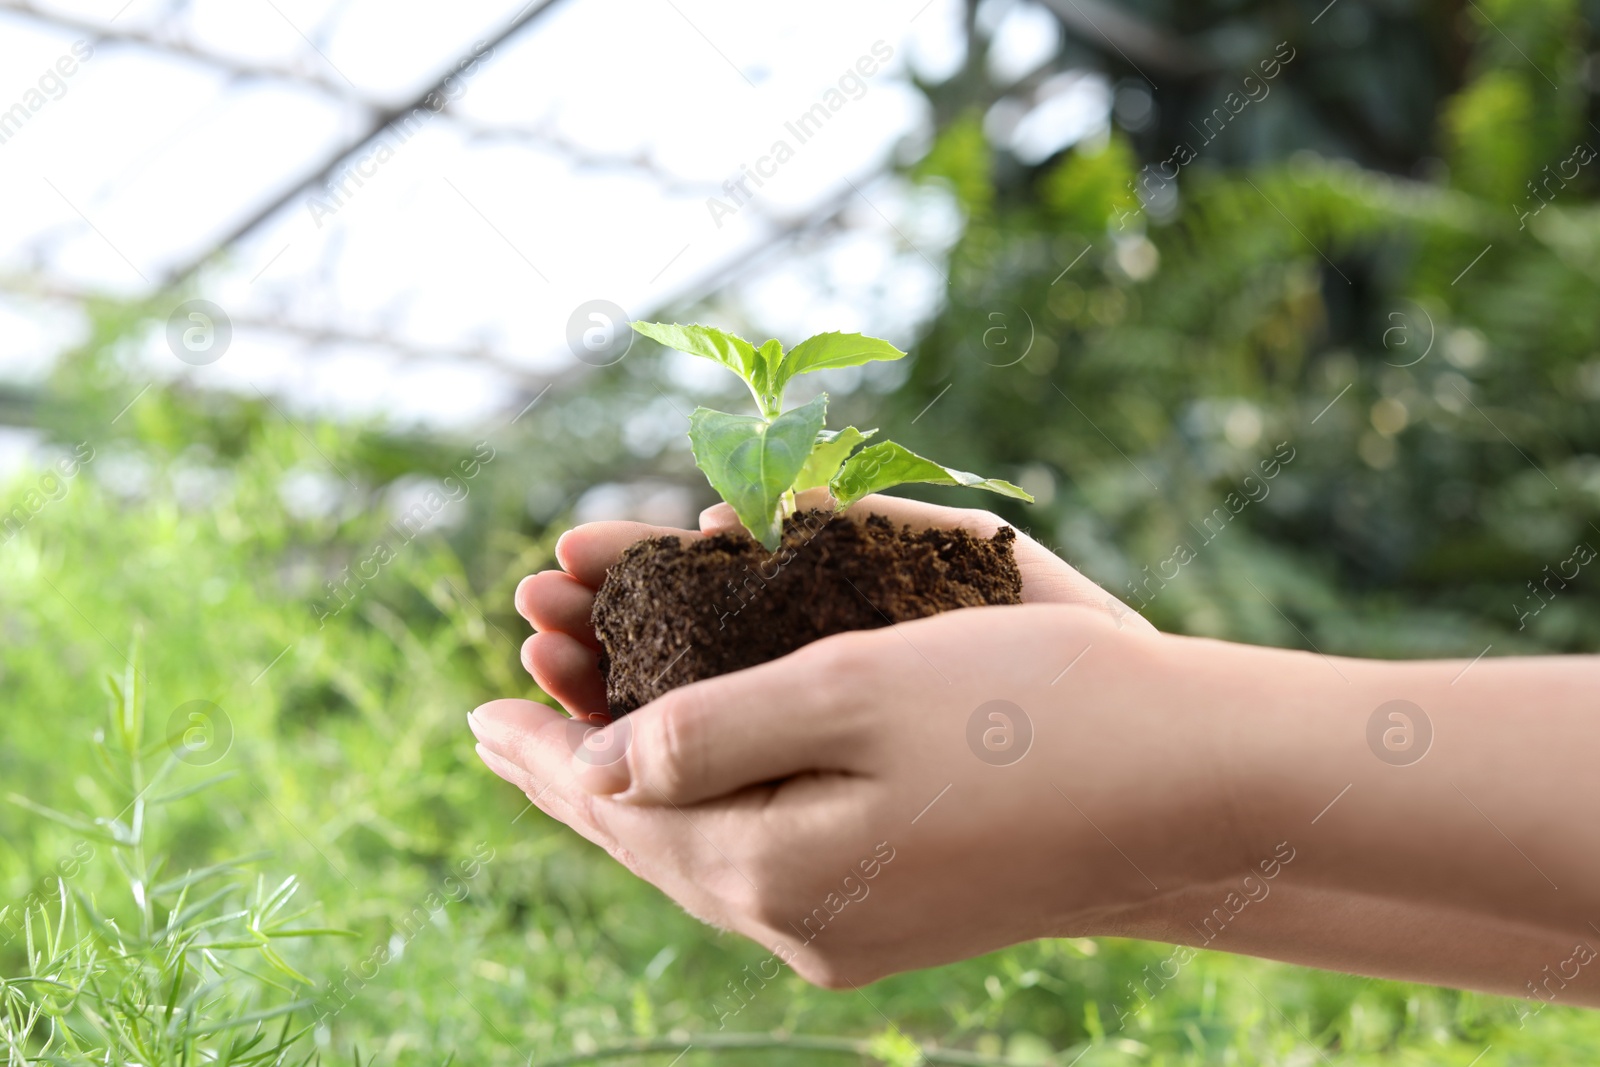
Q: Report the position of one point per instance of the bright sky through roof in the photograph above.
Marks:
(636, 151)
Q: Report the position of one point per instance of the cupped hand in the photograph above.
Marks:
(911, 795)
(775, 801)
(562, 653)
(890, 798)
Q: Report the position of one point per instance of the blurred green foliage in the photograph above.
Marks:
(1356, 269)
(1430, 355)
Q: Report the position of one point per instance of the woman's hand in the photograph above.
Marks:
(860, 719)
(891, 798)
(905, 796)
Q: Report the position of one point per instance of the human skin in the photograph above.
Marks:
(1176, 789)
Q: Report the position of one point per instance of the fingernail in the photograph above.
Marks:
(487, 727)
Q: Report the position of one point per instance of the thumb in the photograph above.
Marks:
(724, 734)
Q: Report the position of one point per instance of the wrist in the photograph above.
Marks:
(1143, 746)
(1417, 785)
(1418, 814)
(1253, 749)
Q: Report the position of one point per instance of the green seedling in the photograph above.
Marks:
(757, 463)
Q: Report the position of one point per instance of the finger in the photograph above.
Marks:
(532, 746)
(510, 733)
(544, 798)
(571, 807)
(568, 670)
(586, 552)
(538, 795)
(556, 602)
(716, 737)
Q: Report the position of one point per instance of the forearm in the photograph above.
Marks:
(1375, 937)
(1474, 863)
(1048, 769)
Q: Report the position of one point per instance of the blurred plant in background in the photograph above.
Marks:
(151, 965)
(1335, 383)
(1431, 359)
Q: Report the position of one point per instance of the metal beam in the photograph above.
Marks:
(407, 350)
(320, 172)
(239, 67)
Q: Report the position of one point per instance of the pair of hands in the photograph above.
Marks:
(834, 805)
(842, 807)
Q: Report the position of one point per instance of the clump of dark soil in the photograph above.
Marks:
(671, 613)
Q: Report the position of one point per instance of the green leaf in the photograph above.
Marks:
(831, 449)
(251, 1018)
(884, 465)
(771, 357)
(190, 790)
(752, 462)
(828, 350)
(769, 396)
(194, 876)
(708, 342)
(894, 1049)
(96, 830)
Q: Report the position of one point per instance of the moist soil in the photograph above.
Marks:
(671, 613)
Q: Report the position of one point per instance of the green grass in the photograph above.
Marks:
(472, 926)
